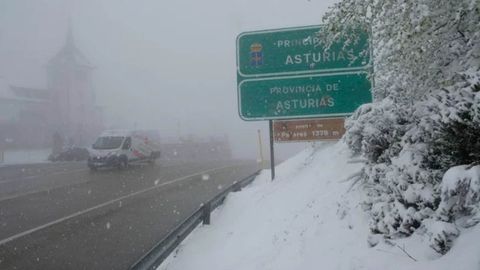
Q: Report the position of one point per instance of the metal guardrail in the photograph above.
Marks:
(155, 256)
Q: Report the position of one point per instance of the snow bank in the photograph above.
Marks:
(310, 217)
(11, 157)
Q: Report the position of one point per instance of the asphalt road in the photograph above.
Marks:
(61, 216)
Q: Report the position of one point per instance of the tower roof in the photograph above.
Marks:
(70, 54)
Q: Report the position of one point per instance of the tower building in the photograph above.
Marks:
(69, 80)
(30, 116)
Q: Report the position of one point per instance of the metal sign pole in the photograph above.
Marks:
(272, 155)
(260, 149)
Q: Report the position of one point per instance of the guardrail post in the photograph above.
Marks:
(206, 208)
(237, 186)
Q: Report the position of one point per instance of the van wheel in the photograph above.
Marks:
(123, 164)
(152, 159)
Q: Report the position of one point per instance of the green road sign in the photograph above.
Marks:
(292, 51)
(290, 73)
(301, 96)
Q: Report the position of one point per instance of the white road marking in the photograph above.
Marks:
(29, 193)
(46, 175)
(38, 190)
(52, 187)
(13, 237)
(68, 172)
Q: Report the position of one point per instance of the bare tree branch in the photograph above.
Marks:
(404, 251)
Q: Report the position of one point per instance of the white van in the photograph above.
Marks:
(118, 148)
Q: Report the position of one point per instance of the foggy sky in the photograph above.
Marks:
(158, 64)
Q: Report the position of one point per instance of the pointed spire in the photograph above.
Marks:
(70, 42)
(69, 52)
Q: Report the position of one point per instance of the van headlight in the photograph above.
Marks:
(114, 154)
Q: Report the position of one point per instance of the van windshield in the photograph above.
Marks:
(108, 142)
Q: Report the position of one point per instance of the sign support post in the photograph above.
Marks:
(261, 160)
(272, 154)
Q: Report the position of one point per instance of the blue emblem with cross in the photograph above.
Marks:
(256, 55)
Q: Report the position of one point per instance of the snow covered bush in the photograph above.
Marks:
(441, 234)
(405, 186)
(375, 129)
(461, 195)
(425, 117)
(457, 141)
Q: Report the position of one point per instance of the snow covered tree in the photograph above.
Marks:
(426, 114)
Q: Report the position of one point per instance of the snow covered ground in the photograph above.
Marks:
(25, 156)
(310, 217)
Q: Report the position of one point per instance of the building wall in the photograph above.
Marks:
(25, 124)
(74, 112)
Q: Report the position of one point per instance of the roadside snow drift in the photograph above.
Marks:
(310, 217)
(13, 157)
